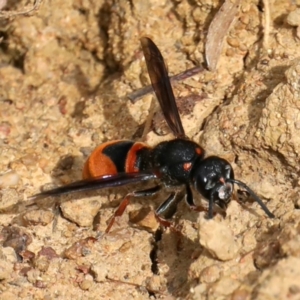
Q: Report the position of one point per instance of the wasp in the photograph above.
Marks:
(175, 165)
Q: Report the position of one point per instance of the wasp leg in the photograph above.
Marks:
(120, 210)
(191, 203)
(168, 208)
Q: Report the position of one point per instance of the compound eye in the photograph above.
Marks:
(228, 171)
(210, 184)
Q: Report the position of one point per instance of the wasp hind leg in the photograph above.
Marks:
(124, 203)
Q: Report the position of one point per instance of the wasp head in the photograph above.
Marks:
(211, 179)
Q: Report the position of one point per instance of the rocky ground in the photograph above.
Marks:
(65, 71)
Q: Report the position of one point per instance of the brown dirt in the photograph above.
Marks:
(65, 71)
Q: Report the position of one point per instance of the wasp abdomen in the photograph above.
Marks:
(115, 157)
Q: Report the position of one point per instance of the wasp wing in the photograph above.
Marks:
(97, 183)
(161, 85)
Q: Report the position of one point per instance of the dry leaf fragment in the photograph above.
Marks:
(218, 30)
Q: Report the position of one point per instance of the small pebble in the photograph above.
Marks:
(240, 294)
(233, 42)
(80, 248)
(41, 263)
(100, 271)
(85, 284)
(8, 197)
(38, 217)
(6, 269)
(144, 217)
(218, 239)
(73, 210)
(155, 283)
(210, 274)
(8, 179)
(293, 18)
(29, 160)
(8, 296)
(33, 275)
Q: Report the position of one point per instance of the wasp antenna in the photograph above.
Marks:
(254, 196)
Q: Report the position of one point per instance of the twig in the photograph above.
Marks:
(8, 14)
(136, 95)
(267, 26)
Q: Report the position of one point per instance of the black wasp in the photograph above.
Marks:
(177, 164)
